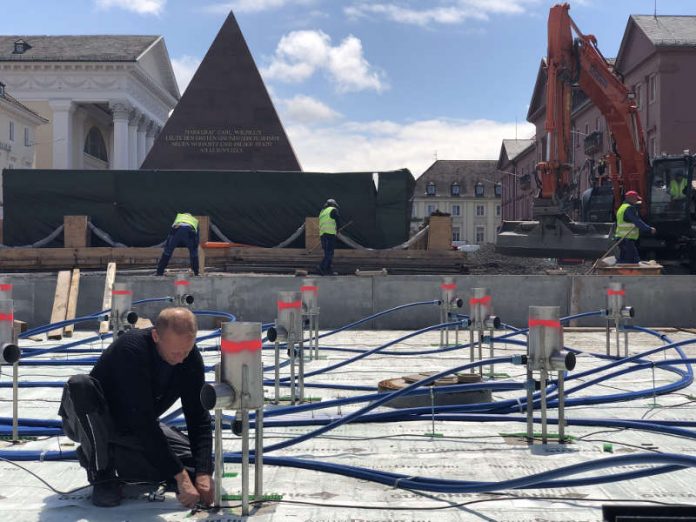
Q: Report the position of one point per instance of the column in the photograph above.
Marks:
(152, 131)
(62, 133)
(79, 138)
(142, 131)
(121, 112)
(133, 139)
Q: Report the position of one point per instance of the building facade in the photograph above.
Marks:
(106, 97)
(657, 60)
(469, 190)
(516, 164)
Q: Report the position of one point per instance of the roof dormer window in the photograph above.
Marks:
(478, 190)
(2, 89)
(455, 189)
(20, 47)
(430, 189)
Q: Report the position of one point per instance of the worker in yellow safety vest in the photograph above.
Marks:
(329, 219)
(628, 228)
(677, 186)
(184, 233)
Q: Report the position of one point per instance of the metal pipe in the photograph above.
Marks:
(471, 346)
(218, 446)
(492, 354)
(301, 370)
(245, 441)
(15, 402)
(258, 456)
(561, 408)
(277, 372)
(530, 404)
(542, 393)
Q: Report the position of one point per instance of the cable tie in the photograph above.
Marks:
(396, 482)
(519, 404)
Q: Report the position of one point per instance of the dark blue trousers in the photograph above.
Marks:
(628, 252)
(328, 243)
(182, 236)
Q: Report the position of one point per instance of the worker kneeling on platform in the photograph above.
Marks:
(114, 413)
(628, 228)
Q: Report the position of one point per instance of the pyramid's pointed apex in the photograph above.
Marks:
(225, 120)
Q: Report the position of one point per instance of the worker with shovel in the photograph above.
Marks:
(628, 228)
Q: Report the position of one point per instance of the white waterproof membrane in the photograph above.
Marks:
(473, 446)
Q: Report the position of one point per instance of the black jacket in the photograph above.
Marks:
(139, 386)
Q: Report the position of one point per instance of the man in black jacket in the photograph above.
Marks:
(114, 413)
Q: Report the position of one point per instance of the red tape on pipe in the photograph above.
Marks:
(314, 289)
(5, 288)
(240, 346)
(449, 286)
(181, 283)
(293, 304)
(7, 317)
(544, 322)
(480, 300)
(616, 292)
(121, 292)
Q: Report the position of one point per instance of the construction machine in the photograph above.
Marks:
(665, 182)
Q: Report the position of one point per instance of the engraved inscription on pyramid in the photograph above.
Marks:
(225, 120)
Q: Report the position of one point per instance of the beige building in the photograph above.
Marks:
(106, 97)
(468, 190)
(18, 126)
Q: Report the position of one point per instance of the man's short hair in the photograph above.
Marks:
(179, 320)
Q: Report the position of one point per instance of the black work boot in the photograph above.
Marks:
(106, 489)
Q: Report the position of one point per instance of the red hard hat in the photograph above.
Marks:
(632, 193)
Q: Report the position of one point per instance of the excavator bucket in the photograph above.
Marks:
(554, 236)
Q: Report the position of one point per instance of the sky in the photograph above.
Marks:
(366, 85)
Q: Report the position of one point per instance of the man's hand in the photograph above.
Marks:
(188, 495)
(205, 487)
(652, 230)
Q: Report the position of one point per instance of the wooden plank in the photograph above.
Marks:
(106, 302)
(440, 233)
(72, 301)
(203, 229)
(75, 231)
(60, 303)
(311, 232)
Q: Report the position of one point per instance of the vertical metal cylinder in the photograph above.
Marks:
(615, 298)
(561, 408)
(448, 288)
(277, 372)
(472, 348)
(542, 392)
(245, 462)
(5, 289)
(6, 323)
(545, 335)
(530, 404)
(480, 305)
(241, 348)
(121, 303)
(182, 290)
(219, 461)
(290, 312)
(310, 294)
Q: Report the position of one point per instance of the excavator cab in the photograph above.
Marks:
(671, 198)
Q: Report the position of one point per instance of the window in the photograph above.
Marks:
(638, 90)
(480, 234)
(587, 129)
(27, 137)
(2, 89)
(497, 210)
(456, 210)
(95, 146)
(455, 189)
(478, 191)
(652, 88)
(498, 190)
(430, 189)
(20, 46)
(431, 209)
(455, 234)
(596, 123)
(11, 131)
(480, 210)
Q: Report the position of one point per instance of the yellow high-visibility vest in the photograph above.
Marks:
(186, 219)
(676, 188)
(624, 228)
(327, 224)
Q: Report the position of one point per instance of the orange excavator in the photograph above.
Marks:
(573, 62)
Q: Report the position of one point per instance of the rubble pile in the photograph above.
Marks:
(487, 261)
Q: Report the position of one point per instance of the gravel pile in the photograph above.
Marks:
(486, 261)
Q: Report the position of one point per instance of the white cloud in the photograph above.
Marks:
(386, 145)
(252, 6)
(300, 54)
(306, 110)
(447, 12)
(138, 6)
(184, 69)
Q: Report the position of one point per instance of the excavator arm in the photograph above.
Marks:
(574, 60)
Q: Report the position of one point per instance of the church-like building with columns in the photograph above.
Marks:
(105, 97)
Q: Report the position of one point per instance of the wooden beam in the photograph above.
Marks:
(72, 302)
(203, 228)
(106, 301)
(311, 233)
(440, 233)
(60, 303)
(75, 231)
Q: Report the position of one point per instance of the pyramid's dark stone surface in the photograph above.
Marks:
(225, 119)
